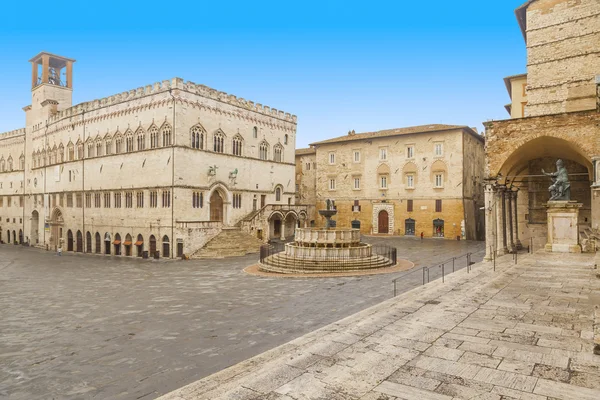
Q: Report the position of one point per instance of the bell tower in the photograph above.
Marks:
(51, 85)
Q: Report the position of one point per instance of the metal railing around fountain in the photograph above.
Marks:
(337, 263)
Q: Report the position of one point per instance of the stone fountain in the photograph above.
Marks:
(327, 251)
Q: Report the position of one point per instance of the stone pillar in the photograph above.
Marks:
(516, 211)
(283, 230)
(491, 234)
(69, 74)
(34, 74)
(501, 220)
(45, 67)
(511, 224)
(595, 195)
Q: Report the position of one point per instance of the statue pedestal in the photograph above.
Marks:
(563, 232)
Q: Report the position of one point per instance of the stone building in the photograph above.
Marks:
(165, 167)
(516, 86)
(400, 181)
(306, 179)
(561, 120)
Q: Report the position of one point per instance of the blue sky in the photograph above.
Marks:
(338, 65)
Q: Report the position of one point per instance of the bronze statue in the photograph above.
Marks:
(560, 190)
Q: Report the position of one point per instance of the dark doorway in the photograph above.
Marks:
(79, 242)
(383, 222)
(409, 227)
(152, 245)
(107, 243)
(139, 244)
(216, 206)
(88, 242)
(438, 228)
(117, 244)
(69, 240)
(98, 244)
(166, 248)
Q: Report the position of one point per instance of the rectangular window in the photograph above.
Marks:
(356, 183)
(438, 149)
(332, 184)
(88, 200)
(166, 198)
(383, 182)
(439, 180)
(78, 200)
(153, 199)
(383, 154)
(97, 199)
(118, 200)
(237, 200)
(69, 200)
(61, 199)
(106, 200)
(356, 206)
(331, 158)
(308, 166)
(409, 205)
(410, 181)
(1, 201)
(128, 200)
(410, 151)
(139, 196)
(356, 156)
(438, 206)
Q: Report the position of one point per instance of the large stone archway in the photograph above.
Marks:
(517, 191)
(56, 229)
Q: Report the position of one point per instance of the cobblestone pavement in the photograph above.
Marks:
(522, 332)
(96, 327)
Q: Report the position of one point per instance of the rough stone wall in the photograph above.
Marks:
(563, 55)
(306, 175)
(579, 130)
(457, 172)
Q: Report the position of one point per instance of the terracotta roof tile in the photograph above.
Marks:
(393, 132)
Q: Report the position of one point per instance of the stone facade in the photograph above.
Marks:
(306, 178)
(517, 90)
(402, 181)
(165, 166)
(561, 121)
(563, 54)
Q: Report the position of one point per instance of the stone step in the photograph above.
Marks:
(230, 242)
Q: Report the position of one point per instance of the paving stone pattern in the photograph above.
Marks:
(522, 332)
(97, 327)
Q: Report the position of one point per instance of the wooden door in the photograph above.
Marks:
(383, 222)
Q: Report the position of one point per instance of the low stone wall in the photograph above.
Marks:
(328, 253)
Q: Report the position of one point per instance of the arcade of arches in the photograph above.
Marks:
(516, 191)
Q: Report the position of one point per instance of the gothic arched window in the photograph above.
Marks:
(197, 136)
(236, 145)
(278, 153)
(141, 139)
(264, 150)
(166, 135)
(219, 142)
(153, 136)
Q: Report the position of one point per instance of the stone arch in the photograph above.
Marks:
(436, 167)
(541, 147)
(128, 243)
(107, 243)
(79, 242)
(166, 246)
(410, 168)
(276, 221)
(139, 244)
(383, 169)
(69, 240)
(218, 202)
(291, 219)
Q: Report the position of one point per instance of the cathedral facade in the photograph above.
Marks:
(162, 168)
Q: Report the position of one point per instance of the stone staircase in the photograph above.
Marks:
(231, 242)
(588, 239)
